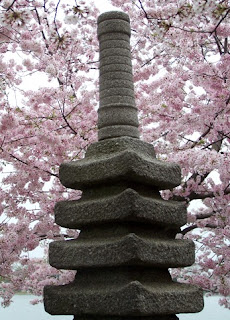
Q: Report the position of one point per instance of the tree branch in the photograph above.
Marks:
(225, 46)
(195, 226)
(55, 23)
(216, 145)
(44, 236)
(214, 30)
(201, 137)
(66, 121)
(26, 163)
(198, 196)
(218, 43)
(42, 32)
(11, 5)
(143, 9)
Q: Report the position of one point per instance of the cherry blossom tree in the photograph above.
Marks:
(181, 66)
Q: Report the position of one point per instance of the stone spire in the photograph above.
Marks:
(117, 114)
(127, 240)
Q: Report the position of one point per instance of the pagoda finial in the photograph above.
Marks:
(117, 114)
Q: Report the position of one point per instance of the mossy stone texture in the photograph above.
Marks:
(127, 239)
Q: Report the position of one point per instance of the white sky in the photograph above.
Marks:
(104, 5)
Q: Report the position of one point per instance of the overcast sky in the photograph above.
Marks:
(103, 5)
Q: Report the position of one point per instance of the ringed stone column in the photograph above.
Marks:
(127, 240)
(117, 114)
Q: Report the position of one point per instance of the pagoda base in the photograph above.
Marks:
(165, 317)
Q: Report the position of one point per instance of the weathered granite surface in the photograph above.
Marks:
(120, 159)
(129, 249)
(117, 114)
(132, 299)
(127, 240)
(127, 205)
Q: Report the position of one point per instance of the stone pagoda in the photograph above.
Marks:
(127, 240)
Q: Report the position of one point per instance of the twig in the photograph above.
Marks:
(11, 5)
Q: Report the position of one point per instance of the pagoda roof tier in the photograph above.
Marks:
(132, 299)
(130, 249)
(128, 205)
(120, 159)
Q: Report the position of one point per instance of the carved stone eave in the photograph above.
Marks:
(131, 299)
(126, 206)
